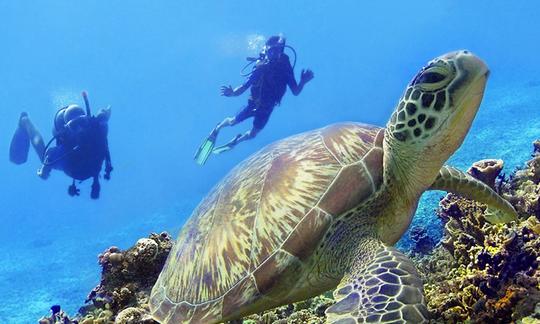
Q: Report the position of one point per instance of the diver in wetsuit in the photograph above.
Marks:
(80, 150)
(268, 82)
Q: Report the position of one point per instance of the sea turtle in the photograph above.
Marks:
(322, 210)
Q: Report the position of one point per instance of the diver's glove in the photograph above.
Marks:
(306, 76)
(73, 191)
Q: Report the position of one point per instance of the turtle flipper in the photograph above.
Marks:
(387, 289)
(456, 181)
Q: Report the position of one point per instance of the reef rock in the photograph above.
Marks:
(126, 280)
(482, 272)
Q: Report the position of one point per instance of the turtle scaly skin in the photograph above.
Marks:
(321, 210)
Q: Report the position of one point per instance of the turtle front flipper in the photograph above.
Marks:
(385, 289)
(456, 181)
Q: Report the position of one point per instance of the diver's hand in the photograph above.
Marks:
(42, 173)
(227, 91)
(73, 191)
(107, 174)
(306, 76)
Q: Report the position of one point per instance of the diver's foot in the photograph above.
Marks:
(213, 134)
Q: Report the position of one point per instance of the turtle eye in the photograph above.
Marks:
(434, 77)
(430, 77)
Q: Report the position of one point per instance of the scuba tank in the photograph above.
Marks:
(65, 119)
(262, 58)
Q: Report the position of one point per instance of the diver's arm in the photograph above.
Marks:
(305, 77)
(228, 91)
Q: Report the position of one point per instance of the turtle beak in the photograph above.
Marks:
(467, 92)
(470, 89)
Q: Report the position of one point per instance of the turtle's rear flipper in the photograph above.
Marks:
(385, 289)
(20, 144)
(204, 151)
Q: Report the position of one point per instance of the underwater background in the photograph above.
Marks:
(160, 65)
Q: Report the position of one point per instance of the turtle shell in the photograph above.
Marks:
(263, 221)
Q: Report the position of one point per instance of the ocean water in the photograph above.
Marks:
(160, 65)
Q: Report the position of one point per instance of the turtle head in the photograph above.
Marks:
(436, 111)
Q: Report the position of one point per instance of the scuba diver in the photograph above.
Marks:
(268, 80)
(80, 150)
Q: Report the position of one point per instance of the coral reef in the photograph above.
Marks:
(126, 280)
(422, 243)
(128, 276)
(486, 171)
(58, 316)
(310, 311)
(482, 272)
(479, 273)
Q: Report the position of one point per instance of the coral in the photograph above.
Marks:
(422, 242)
(486, 171)
(133, 315)
(58, 316)
(127, 278)
(480, 272)
(483, 272)
(310, 311)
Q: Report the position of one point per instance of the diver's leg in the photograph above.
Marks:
(246, 112)
(53, 159)
(229, 121)
(33, 134)
(95, 188)
(250, 134)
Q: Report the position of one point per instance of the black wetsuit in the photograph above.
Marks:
(269, 81)
(81, 155)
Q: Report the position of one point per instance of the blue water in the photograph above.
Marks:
(160, 65)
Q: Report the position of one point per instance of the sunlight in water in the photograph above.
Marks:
(241, 45)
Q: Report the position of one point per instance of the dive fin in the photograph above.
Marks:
(204, 151)
(20, 145)
(222, 148)
(228, 146)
